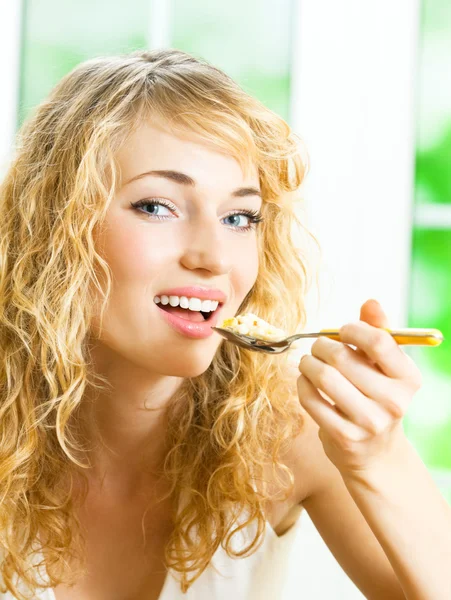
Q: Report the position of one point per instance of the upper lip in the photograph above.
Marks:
(202, 293)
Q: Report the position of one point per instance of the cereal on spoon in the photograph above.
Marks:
(250, 325)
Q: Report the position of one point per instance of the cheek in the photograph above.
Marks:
(245, 269)
(135, 256)
(136, 259)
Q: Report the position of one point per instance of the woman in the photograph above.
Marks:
(134, 439)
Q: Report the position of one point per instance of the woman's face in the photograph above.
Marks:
(185, 235)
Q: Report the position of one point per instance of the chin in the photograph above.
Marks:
(186, 371)
(187, 366)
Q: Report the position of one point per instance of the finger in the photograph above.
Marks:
(324, 413)
(379, 346)
(363, 374)
(359, 409)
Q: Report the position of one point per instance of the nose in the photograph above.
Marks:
(205, 249)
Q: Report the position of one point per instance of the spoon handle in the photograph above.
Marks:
(409, 336)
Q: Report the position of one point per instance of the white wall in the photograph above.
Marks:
(10, 17)
(354, 66)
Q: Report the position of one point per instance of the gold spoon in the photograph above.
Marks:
(409, 336)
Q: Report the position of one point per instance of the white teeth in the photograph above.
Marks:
(195, 304)
(184, 302)
(206, 306)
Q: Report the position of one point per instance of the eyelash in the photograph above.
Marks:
(255, 216)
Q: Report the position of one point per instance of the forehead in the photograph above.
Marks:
(153, 146)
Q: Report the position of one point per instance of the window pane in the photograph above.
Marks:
(249, 40)
(59, 35)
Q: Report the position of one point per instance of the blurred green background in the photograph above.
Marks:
(57, 36)
(428, 422)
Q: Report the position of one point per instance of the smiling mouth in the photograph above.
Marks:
(194, 316)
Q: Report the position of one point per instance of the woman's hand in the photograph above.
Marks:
(370, 387)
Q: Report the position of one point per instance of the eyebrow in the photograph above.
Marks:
(184, 179)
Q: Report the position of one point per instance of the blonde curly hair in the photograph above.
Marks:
(223, 425)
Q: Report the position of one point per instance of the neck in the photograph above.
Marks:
(124, 428)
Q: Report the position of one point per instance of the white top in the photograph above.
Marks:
(263, 575)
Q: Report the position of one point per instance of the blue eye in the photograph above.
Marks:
(236, 219)
(158, 208)
(155, 204)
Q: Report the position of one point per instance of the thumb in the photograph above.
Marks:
(372, 313)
